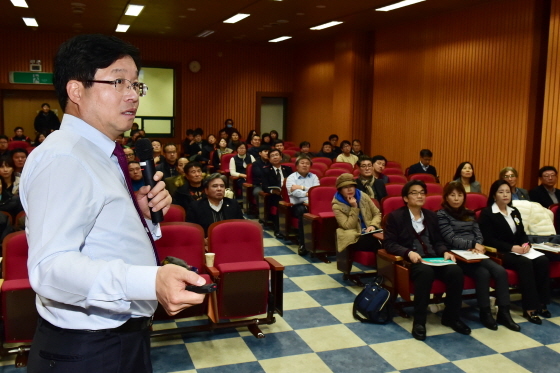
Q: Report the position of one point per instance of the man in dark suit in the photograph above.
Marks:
(424, 166)
(274, 177)
(413, 233)
(367, 183)
(215, 207)
(254, 150)
(546, 193)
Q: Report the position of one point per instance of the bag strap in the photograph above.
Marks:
(355, 312)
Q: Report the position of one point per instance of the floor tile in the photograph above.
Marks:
(328, 268)
(357, 360)
(497, 363)
(302, 270)
(309, 318)
(504, 340)
(277, 345)
(289, 286)
(269, 242)
(439, 368)
(170, 358)
(277, 250)
(343, 312)
(218, 352)
(252, 367)
(221, 333)
(327, 297)
(166, 340)
(409, 353)
(547, 333)
(298, 300)
(457, 346)
(297, 363)
(328, 338)
(554, 347)
(539, 359)
(433, 324)
(373, 333)
(315, 282)
(289, 260)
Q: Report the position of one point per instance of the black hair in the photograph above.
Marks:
(199, 130)
(4, 137)
(326, 143)
(19, 150)
(80, 57)
(410, 184)
(303, 157)
(18, 128)
(363, 158)
(190, 132)
(156, 140)
(304, 143)
(214, 176)
(494, 189)
(376, 158)
(133, 162)
(266, 134)
(426, 153)
(542, 170)
(345, 142)
(275, 133)
(264, 147)
(274, 150)
(227, 120)
(333, 136)
(356, 140)
(240, 144)
(192, 165)
(10, 162)
(167, 145)
(47, 104)
(458, 172)
(461, 213)
(278, 141)
(198, 133)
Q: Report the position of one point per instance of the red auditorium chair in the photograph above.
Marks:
(291, 165)
(328, 181)
(290, 144)
(393, 164)
(224, 165)
(319, 224)
(324, 160)
(18, 311)
(176, 213)
(390, 204)
(319, 165)
(393, 171)
(476, 201)
(343, 165)
(433, 202)
(288, 224)
(335, 172)
(18, 144)
(356, 172)
(397, 179)
(427, 178)
(290, 152)
(317, 171)
(394, 190)
(248, 283)
(249, 202)
(434, 188)
(554, 209)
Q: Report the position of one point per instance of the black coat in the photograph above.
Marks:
(270, 179)
(46, 123)
(540, 195)
(417, 169)
(497, 232)
(200, 213)
(378, 188)
(257, 171)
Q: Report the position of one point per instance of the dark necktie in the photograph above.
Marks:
(119, 153)
(278, 177)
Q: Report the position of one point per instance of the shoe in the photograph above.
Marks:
(458, 326)
(532, 317)
(302, 250)
(544, 313)
(278, 235)
(486, 318)
(419, 332)
(504, 318)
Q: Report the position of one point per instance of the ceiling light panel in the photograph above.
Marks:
(205, 33)
(133, 10)
(325, 25)
(236, 18)
(281, 38)
(398, 5)
(31, 22)
(20, 3)
(122, 28)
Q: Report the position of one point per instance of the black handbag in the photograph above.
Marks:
(373, 304)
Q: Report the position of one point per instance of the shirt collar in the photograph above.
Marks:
(78, 126)
(216, 208)
(496, 209)
(304, 177)
(413, 219)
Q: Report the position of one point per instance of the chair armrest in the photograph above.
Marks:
(212, 271)
(1, 283)
(284, 203)
(461, 259)
(247, 185)
(491, 249)
(274, 264)
(389, 257)
(264, 194)
(379, 236)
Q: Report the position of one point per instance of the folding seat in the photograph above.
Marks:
(324, 160)
(176, 213)
(18, 311)
(288, 224)
(224, 163)
(434, 188)
(290, 152)
(554, 209)
(336, 172)
(17, 144)
(427, 178)
(319, 224)
(249, 284)
(356, 172)
(290, 144)
(328, 181)
(390, 204)
(476, 201)
(433, 202)
(321, 166)
(291, 165)
(394, 189)
(397, 179)
(317, 171)
(393, 164)
(343, 165)
(249, 202)
(393, 171)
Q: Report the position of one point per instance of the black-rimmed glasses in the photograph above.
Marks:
(120, 84)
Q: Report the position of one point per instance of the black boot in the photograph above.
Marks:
(504, 318)
(486, 318)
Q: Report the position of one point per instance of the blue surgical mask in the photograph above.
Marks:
(229, 125)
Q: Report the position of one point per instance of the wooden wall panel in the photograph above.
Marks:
(461, 85)
(225, 87)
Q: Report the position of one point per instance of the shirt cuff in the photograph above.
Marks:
(155, 229)
(141, 282)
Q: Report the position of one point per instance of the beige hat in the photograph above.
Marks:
(345, 180)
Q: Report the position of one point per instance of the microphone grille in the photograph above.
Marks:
(144, 149)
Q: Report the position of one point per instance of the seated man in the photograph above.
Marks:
(346, 156)
(190, 188)
(413, 233)
(229, 128)
(215, 207)
(169, 165)
(333, 139)
(4, 152)
(367, 182)
(304, 147)
(379, 162)
(130, 154)
(255, 148)
(195, 149)
(357, 148)
(172, 183)
(298, 185)
(135, 172)
(19, 156)
(424, 167)
(187, 141)
(19, 136)
(279, 144)
(546, 193)
(273, 179)
(326, 151)
(259, 167)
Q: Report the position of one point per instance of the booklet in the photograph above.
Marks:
(469, 255)
(547, 246)
(532, 254)
(373, 231)
(437, 262)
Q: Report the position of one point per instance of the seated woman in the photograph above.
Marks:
(326, 151)
(265, 139)
(158, 154)
(346, 156)
(238, 166)
(510, 175)
(413, 233)
(465, 175)
(502, 228)
(460, 231)
(250, 136)
(235, 140)
(274, 136)
(355, 214)
(9, 188)
(220, 150)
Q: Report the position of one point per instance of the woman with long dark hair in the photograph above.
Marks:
(465, 175)
(9, 193)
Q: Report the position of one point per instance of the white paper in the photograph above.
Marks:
(540, 246)
(532, 254)
(469, 255)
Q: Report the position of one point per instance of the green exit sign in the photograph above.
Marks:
(30, 77)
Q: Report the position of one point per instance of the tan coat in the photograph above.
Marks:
(348, 219)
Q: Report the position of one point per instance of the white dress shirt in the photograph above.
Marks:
(299, 195)
(90, 260)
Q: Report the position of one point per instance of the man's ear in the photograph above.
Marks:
(74, 89)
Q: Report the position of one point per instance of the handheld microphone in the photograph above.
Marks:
(145, 152)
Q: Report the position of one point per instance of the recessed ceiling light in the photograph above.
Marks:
(181, 16)
(281, 38)
(282, 21)
(398, 5)
(133, 10)
(20, 3)
(236, 18)
(122, 28)
(320, 6)
(32, 22)
(300, 14)
(192, 9)
(325, 25)
(205, 33)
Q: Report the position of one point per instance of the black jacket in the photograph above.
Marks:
(200, 213)
(270, 179)
(497, 232)
(185, 195)
(45, 123)
(378, 188)
(417, 169)
(540, 195)
(257, 171)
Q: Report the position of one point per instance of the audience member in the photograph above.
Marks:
(346, 156)
(229, 128)
(502, 228)
(172, 183)
(265, 139)
(255, 146)
(379, 162)
(224, 135)
(326, 151)
(19, 156)
(220, 150)
(304, 147)
(357, 148)
(274, 136)
(46, 120)
(367, 182)
(215, 207)
(355, 214)
(273, 180)
(258, 169)
(210, 146)
(465, 175)
(135, 172)
(191, 189)
(134, 136)
(169, 164)
(39, 139)
(9, 189)
(298, 185)
(188, 141)
(460, 231)
(130, 154)
(4, 146)
(19, 136)
(238, 166)
(546, 193)
(412, 232)
(196, 148)
(333, 139)
(279, 144)
(249, 139)
(510, 175)
(158, 155)
(424, 166)
(235, 140)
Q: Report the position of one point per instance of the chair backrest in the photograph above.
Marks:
(390, 204)
(14, 253)
(433, 202)
(320, 199)
(235, 241)
(17, 144)
(434, 188)
(394, 189)
(335, 172)
(427, 178)
(397, 179)
(317, 171)
(328, 181)
(376, 203)
(393, 164)
(288, 144)
(393, 171)
(249, 173)
(182, 240)
(346, 166)
(291, 165)
(290, 152)
(356, 172)
(324, 160)
(476, 201)
(553, 208)
(176, 213)
(318, 165)
(224, 162)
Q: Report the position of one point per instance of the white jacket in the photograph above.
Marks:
(537, 220)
